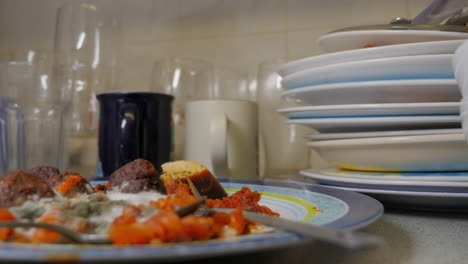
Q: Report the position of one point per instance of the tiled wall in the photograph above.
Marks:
(235, 33)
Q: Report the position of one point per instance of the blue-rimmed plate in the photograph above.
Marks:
(378, 92)
(452, 176)
(378, 123)
(356, 110)
(390, 184)
(311, 204)
(396, 68)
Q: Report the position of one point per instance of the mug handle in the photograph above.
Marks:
(218, 145)
(129, 131)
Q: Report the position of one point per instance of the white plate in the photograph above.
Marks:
(399, 133)
(346, 40)
(453, 176)
(446, 152)
(374, 92)
(387, 123)
(411, 49)
(400, 185)
(415, 200)
(397, 68)
(403, 109)
(430, 201)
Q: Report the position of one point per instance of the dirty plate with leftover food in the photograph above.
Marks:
(310, 204)
(357, 39)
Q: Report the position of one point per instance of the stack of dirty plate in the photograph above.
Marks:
(387, 121)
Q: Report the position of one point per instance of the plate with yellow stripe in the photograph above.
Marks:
(313, 204)
(307, 203)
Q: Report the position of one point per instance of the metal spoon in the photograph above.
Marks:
(82, 238)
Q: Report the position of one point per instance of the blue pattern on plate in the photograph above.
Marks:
(408, 174)
(369, 117)
(366, 81)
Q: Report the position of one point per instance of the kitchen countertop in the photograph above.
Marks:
(411, 237)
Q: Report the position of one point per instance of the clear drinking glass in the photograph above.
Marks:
(283, 147)
(186, 79)
(87, 47)
(33, 116)
(230, 84)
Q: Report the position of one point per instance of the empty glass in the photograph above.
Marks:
(87, 46)
(33, 116)
(283, 147)
(186, 79)
(229, 84)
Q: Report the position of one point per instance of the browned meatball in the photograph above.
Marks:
(49, 174)
(18, 186)
(138, 175)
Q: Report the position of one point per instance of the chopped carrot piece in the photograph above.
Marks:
(199, 228)
(45, 235)
(68, 183)
(166, 226)
(6, 215)
(238, 222)
(132, 234)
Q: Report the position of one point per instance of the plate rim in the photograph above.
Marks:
(368, 53)
(377, 106)
(375, 119)
(326, 38)
(344, 135)
(399, 183)
(394, 140)
(381, 64)
(384, 175)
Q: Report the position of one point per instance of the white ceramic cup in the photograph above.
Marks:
(222, 135)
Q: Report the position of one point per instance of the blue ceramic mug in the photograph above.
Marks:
(134, 125)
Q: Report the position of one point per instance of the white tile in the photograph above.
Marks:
(28, 24)
(137, 63)
(308, 14)
(207, 18)
(165, 21)
(267, 16)
(416, 6)
(238, 52)
(136, 20)
(304, 43)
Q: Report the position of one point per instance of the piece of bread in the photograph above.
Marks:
(205, 182)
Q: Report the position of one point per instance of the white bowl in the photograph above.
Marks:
(445, 152)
